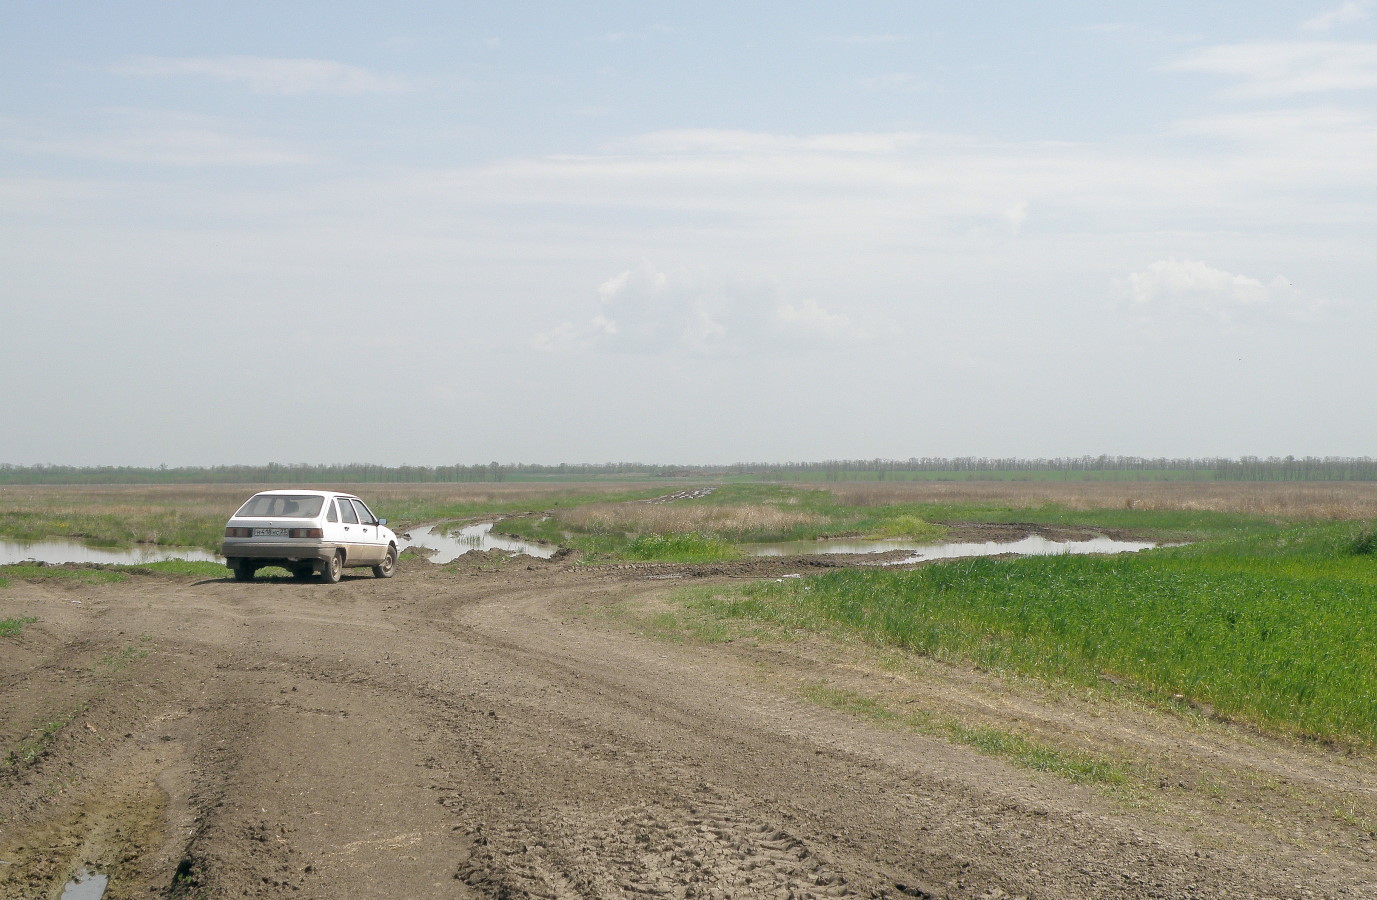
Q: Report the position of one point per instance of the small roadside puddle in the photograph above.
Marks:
(86, 885)
(57, 551)
(450, 545)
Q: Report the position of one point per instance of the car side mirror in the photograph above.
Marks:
(382, 521)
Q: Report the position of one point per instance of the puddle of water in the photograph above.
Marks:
(53, 551)
(836, 545)
(452, 545)
(1032, 545)
(86, 885)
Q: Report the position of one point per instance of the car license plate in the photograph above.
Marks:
(270, 532)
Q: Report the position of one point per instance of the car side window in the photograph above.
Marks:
(346, 511)
(365, 514)
(332, 515)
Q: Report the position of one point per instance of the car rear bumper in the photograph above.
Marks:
(295, 550)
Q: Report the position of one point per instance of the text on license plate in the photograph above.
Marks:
(270, 532)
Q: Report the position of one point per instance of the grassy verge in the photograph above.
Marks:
(194, 568)
(692, 621)
(12, 627)
(1077, 766)
(108, 574)
(32, 573)
(1276, 629)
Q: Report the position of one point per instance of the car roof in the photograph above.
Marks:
(308, 492)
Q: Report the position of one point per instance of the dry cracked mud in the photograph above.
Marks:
(495, 731)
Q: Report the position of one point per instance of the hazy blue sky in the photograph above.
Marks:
(574, 232)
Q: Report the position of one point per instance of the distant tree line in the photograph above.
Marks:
(1247, 468)
(303, 473)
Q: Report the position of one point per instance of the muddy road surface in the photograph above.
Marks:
(507, 731)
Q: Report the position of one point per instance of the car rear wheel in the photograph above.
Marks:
(388, 568)
(332, 569)
(243, 571)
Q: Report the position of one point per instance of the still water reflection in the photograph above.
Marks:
(86, 885)
(450, 545)
(55, 551)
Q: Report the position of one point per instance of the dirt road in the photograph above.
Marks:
(492, 733)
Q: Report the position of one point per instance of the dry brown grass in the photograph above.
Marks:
(1313, 500)
(669, 518)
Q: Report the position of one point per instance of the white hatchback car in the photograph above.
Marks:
(308, 532)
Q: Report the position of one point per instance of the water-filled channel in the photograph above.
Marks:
(1032, 545)
(451, 545)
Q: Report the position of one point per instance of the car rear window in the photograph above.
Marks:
(282, 506)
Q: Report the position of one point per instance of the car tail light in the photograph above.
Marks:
(238, 532)
(307, 533)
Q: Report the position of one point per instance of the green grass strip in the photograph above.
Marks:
(12, 627)
(1082, 768)
(34, 573)
(197, 568)
(37, 741)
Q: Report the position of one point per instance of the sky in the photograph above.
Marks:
(440, 233)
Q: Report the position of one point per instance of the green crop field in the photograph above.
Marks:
(1278, 629)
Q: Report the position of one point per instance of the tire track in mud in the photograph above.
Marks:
(705, 850)
(554, 793)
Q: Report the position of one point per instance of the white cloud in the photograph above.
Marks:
(156, 137)
(842, 194)
(264, 75)
(812, 318)
(1189, 284)
(646, 310)
(1352, 11)
(1287, 68)
(1016, 215)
